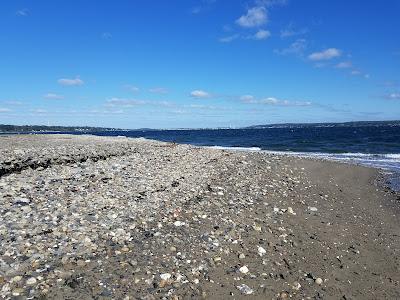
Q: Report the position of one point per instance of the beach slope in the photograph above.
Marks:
(85, 217)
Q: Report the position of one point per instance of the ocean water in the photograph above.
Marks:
(373, 144)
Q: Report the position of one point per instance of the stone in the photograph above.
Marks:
(283, 295)
(296, 286)
(165, 276)
(244, 270)
(18, 292)
(31, 281)
(261, 251)
(319, 281)
(179, 223)
(245, 289)
(290, 211)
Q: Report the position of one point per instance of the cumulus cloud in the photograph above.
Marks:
(200, 94)
(4, 110)
(52, 96)
(158, 90)
(262, 34)
(344, 65)
(296, 48)
(255, 16)
(70, 82)
(273, 101)
(325, 54)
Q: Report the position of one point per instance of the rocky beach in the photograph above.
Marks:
(85, 217)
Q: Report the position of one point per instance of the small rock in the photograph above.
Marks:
(245, 289)
(242, 256)
(163, 283)
(16, 279)
(296, 286)
(17, 292)
(312, 208)
(244, 270)
(31, 281)
(261, 251)
(179, 223)
(290, 211)
(217, 259)
(165, 276)
(319, 281)
(257, 228)
(22, 201)
(80, 263)
(283, 295)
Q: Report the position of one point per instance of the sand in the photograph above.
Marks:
(87, 217)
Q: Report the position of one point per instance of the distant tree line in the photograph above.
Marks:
(43, 128)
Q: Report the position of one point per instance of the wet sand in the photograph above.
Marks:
(85, 217)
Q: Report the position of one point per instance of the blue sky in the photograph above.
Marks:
(198, 63)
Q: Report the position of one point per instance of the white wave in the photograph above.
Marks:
(252, 149)
(390, 161)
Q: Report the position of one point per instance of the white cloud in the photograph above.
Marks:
(255, 16)
(273, 101)
(199, 94)
(297, 48)
(262, 34)
(201, 106)
(393, 96)
(123, 102)
(290, 31)
(12, 102)
(355, 72)
(22, 12)
(52, 96)
(325, 54)
(132, 88)
(4, 110)
(106, 112)
(158, 90)
(247, 98)
(70, 82)
(39, 111)
(344, 65)
(229, 39)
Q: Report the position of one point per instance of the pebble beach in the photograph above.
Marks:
(86, 217)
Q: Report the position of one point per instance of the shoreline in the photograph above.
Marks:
(150, 219)
(389, 170)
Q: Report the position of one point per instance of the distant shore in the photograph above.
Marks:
(106, 217)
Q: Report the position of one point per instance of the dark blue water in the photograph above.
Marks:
(366, 139)
(375, 144)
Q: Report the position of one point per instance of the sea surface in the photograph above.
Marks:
(373, 144)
